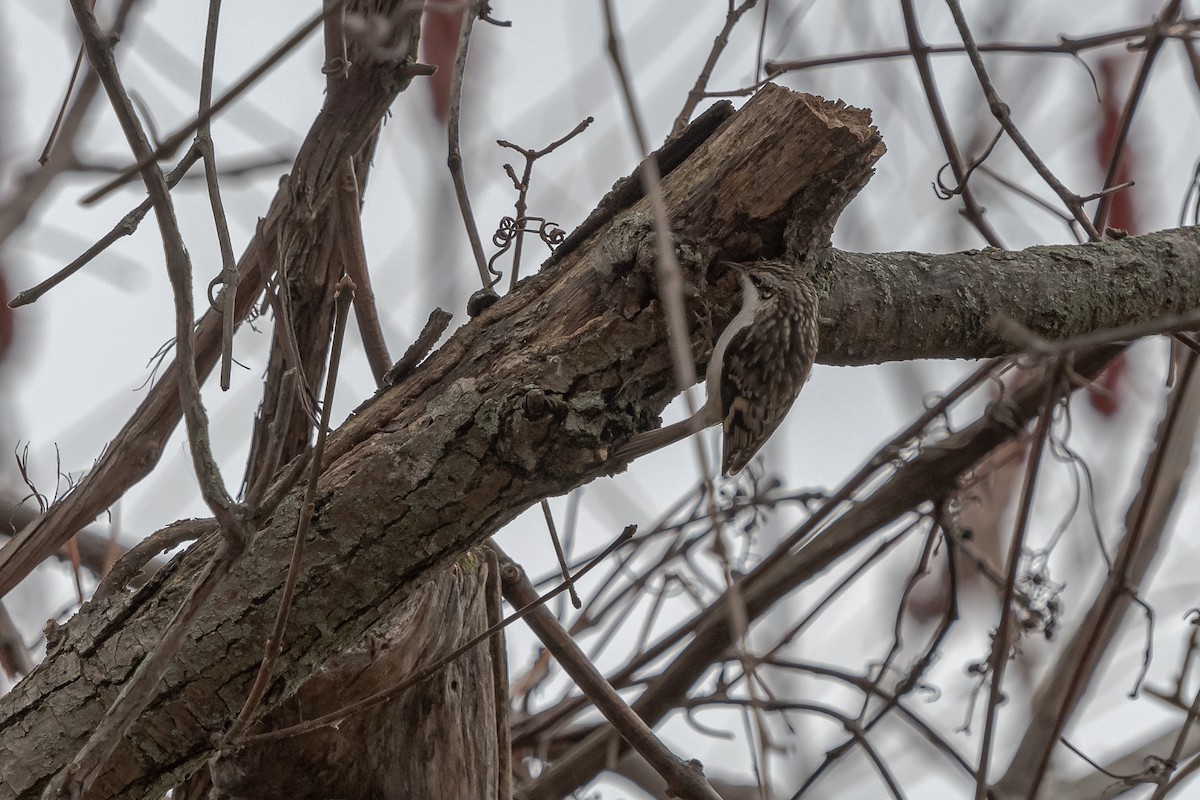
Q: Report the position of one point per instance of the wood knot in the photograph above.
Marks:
(481, 301)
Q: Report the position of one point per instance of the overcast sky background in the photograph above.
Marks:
(83, 349)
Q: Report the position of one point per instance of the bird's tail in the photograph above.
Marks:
(649, 441)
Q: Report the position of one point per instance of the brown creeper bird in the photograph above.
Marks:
(758, 366)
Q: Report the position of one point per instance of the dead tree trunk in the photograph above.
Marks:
(523, 402)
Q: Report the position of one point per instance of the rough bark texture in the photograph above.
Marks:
(525, 401)
(436, 741)
(896, 306)
(521, 403)
(344, 128)
(927, 477)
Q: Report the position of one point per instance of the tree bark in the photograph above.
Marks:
(898, 306)
(522, 403)
(436, 741)
(290, 232)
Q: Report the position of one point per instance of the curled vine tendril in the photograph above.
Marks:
(507, 231)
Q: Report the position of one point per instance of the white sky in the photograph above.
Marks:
(83, 349)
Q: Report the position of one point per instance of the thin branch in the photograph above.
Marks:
(44, 158)
(229, 275)
(920, 53)
(684, 779)
(667, 270)
(1066, 45)
(454, 157)
(354, 254)
(558, 551)
(522, 187)
(1033, 344)
(1001, 642)
(430, 670)
(698, 91)
(274, 644)
(128, 224)
(1155, 38)
(1000, 111)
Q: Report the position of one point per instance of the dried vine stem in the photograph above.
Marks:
(274, 644)
(77, 777)
(684, 779)
(522, 186)
(204, 145)
(427, 672)
(920, 54)
(454, 155)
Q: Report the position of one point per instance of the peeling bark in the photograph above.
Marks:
(524, 402)
(521, 403)
(437, 741)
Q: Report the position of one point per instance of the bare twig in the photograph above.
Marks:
(44, 158)
(558, 551)
(522, 187)
(1155, 38)
(667, 270)
(920, 52)
(1000, 111)
(274, 644)
(204, 145)
(429, 671)
(1033, 344)
(698, 91)
(128, 224)
(354, 254)
(1002, 640)
(1066, 45)
(684, 779)
(454, 156)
